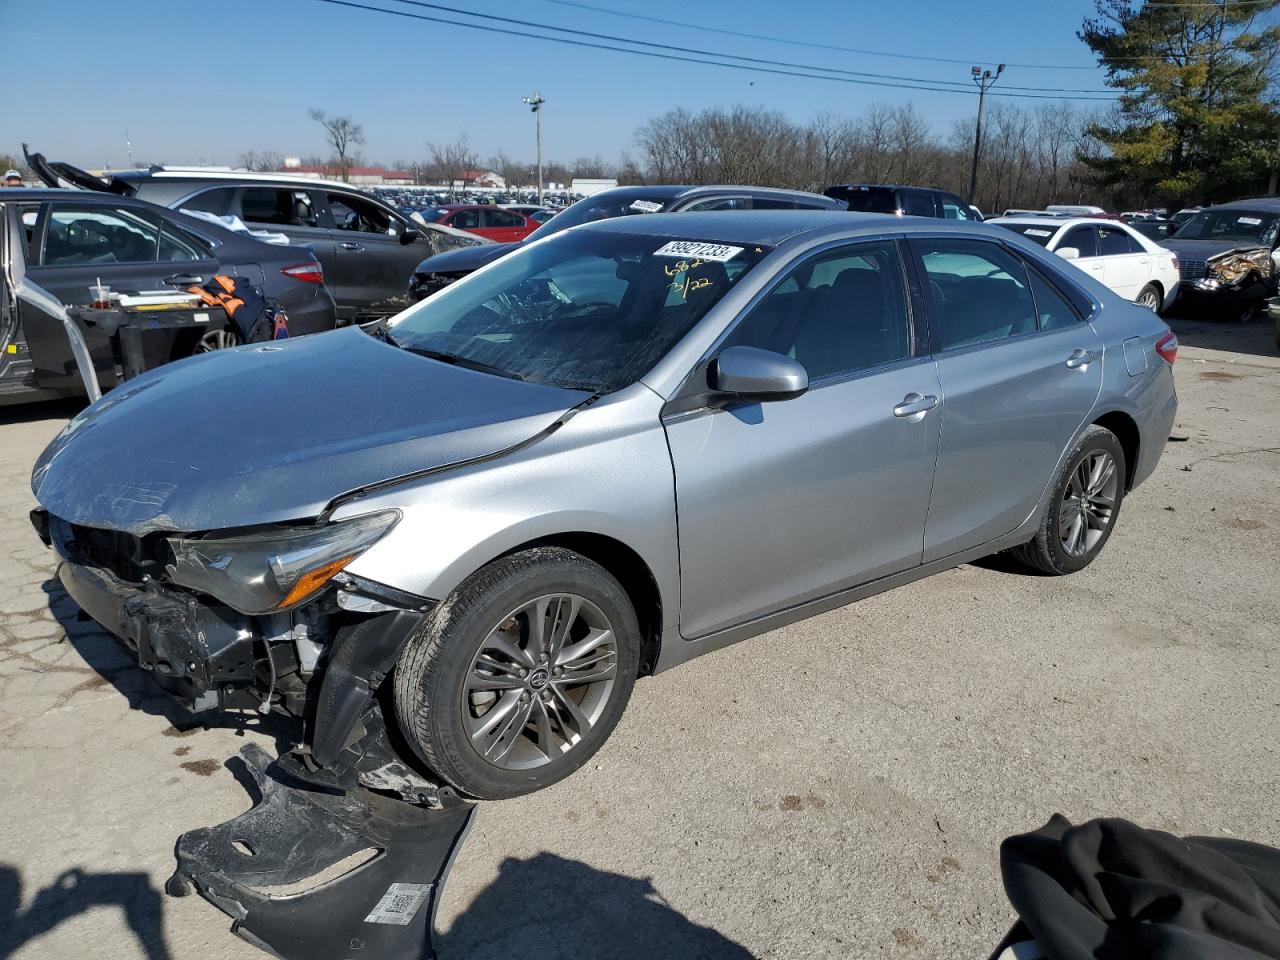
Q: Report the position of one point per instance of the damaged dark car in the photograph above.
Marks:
(1227, 258)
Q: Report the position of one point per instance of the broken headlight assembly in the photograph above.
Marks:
(1234, 268)
(273, 570)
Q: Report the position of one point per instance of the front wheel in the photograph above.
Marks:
(1083, 509)
(521, 674)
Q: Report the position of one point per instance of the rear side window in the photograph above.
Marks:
(916, 204)
(1083, 239)
(775, 203)
(1113, 241)
(501, 218)
(1052, 310)
(288, 208)
(720, 203)
(874, 200)
(217, 201)
(176, 245)
(980, 292)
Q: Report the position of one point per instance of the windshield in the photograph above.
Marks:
(601, 206)
(585, 311)
(1236, 226)
(1032, 231)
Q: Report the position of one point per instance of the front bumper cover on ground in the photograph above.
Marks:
(266, 869)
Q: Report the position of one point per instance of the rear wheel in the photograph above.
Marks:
(1083, 509)
(1149, 297)
(520, 675)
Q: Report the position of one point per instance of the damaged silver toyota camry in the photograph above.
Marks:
(634, 442)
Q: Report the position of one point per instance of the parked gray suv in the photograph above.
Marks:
(601, 456)
(367, 248)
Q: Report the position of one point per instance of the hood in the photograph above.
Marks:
(464, 259)
(1206, 249)
(268, 433)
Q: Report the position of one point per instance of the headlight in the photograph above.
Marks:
(276, 569)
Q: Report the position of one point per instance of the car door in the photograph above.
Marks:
(1084, 238)
(789, 501)
(293, 211)
(374, 261)
(504, 225)
(1126, 265)
(124, 246)
(1019, 371)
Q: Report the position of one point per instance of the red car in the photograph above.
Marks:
(496, 223)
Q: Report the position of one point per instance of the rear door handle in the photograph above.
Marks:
(1080, 358)
(348, 245)
(183, 280)
(914, 406)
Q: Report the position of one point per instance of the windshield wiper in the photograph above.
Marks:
(455, 359)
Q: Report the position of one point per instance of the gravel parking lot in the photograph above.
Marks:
(837, 788)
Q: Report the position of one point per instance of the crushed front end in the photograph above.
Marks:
(1237, 280)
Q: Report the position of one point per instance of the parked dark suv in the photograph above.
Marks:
(903, 201)
(368, 249)
(439, 271)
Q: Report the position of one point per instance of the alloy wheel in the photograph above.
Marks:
(1088, 503)
(539, 682)
(1150, 300)
(216, 340)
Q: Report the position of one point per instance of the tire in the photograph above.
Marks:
(448, 697)
(1051, 549)
(1247, 313)
(1150, 297)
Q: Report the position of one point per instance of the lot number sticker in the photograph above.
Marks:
(399, 904)
(1039, 233)
(713, 252)
(646, 206)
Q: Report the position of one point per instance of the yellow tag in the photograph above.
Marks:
(13, 348)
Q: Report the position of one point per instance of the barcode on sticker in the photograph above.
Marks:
(399, 904)
(646, 206)
(714, 252)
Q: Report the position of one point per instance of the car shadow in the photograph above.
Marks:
(78, 891)
(1198, 329)
(44, 410)
(117, 665)
(580, 912)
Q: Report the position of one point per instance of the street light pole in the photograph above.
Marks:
(535, 104)
(984, 79)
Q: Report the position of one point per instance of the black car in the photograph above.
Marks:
(1226, 255)
(439, 271)
(903, 201)
(64, 241)
(368, 248)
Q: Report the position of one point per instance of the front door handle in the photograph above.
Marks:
(914, 406)
(348, 245)
(183, 280)
(1080, 358)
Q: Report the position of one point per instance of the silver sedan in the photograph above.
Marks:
(601, 456)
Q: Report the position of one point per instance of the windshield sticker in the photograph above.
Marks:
(713, 252)
(1251, 221)
(1038, 233)
(646, 206)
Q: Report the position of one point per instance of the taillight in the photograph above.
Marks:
(1167, 347)
(306, 272)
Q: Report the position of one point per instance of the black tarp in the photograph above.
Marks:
(1108, 889)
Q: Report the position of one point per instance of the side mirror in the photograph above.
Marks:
(408, 235)
(1068, 253)
(752, 374)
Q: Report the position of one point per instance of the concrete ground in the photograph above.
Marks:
(837, 788)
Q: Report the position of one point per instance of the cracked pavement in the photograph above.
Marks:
(836, 788)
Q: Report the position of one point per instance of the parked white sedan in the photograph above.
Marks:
(1111, 252)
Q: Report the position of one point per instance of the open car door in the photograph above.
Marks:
(57, 174)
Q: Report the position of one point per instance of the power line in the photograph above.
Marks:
(715, 53)
(486, 28)
(881, 53)
(702, 28)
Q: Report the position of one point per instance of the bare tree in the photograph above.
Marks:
(264, 160)
(344, 135)
(452, 162)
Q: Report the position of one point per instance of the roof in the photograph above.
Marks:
(1268, 204)
(1057, 223)
(770, 227)
(200, 176)
(56, 193)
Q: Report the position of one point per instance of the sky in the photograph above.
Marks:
(202, 82)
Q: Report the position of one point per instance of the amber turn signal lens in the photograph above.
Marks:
(313, 580)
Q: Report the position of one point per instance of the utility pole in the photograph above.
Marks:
(984, 79)
(535, 104)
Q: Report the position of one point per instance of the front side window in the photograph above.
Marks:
(586, 311)
(287, 208)
(867, 199)
(837, 313)
(953, 209)
(465, 220)
(362, 216)
(1084, 239)
(979, 291)
(501, 218)
(104, 235)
